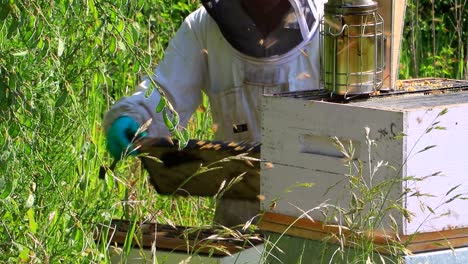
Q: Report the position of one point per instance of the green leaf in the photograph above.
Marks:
(120, 27)
(453, 198)
(62, 99)
(443, 112)
(136, 66)
(112, 45)
(4, 10)
(135, 31)
(141, 4)
(30, 214)
(311, 184)
(113, 16)
(453, 189)
(147, 60)
(186, 134)
(40, 44)
(13, 29)
(93, 9)
(427, 148)
(3, 91)
(177, 134)
(430, 209)
(184, 138)
(161, 105)
(400, 136)
(129, 38)
(6, 187)
(167, 121)
(130, 236)
(175, 119)
(24, 254)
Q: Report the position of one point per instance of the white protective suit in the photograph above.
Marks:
(199, 58)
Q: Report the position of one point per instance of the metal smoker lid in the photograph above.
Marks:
(350, 7)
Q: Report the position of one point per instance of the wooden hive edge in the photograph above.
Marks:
(317, 230)
(148, 234)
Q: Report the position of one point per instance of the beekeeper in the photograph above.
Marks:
(235, 51)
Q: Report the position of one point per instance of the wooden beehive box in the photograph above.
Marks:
(296, 140)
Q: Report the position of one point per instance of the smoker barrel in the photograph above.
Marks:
(352, 47)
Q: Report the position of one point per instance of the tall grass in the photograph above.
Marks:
(374, 206)
(435, 42)
(63, 64)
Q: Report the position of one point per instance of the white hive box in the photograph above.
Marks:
(296, 140)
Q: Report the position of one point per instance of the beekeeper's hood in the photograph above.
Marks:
(298, 25)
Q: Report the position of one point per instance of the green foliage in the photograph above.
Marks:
(435, 39)
(62, 64)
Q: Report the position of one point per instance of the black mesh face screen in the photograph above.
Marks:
(241, 32)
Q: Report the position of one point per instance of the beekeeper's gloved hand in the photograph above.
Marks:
(120, 135)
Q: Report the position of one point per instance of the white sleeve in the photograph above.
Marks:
(181, 74)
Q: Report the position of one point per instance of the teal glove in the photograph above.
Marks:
(120, 135)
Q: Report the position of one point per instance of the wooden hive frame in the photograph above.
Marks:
(183, 239)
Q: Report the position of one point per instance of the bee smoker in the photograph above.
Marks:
(356, 45)
(352, 47)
